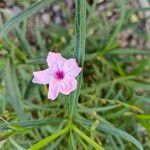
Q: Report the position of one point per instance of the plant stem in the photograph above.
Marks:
(79, 50)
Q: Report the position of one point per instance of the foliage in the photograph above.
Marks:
(110, 111)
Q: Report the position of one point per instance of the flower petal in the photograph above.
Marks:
(67, 85)
(53, 58)
(42, 77)
(71, 68)
(54, 68)
(53, 91)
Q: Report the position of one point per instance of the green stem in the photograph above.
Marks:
(79, 50)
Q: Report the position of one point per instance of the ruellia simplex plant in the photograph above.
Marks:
(70, 122)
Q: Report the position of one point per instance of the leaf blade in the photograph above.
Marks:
(116, 132)
(23, 15)
(85, 137)
(12, 89)
(45, 141)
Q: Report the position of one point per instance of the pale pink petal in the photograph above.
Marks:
(53, 58)
(67, 85)
(53, 91)
(71, 68)
(54, 68)
(42, 77)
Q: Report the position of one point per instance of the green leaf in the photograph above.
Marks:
(57, 143)
(98, 109)
(29, 90)
(23, 42)
(31, 123)
(16, 145)
(143, 99)
(139, 84)
(37, 60)
(49, 139)
(7, 134)
(118, 28)
(39, 38)
(143, 117)
(143, 66)
(79, 50)
(116, 132)
(133, 10)
(23, 15)
(128, 51)
(86, 138)
(13, 90)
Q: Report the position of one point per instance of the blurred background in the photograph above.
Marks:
(116, 87)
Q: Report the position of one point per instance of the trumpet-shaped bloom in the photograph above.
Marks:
(60, 75)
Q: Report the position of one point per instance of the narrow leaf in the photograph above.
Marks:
(118, 28)
(23, 15)
(116, 132)
(31, 123)
(13, 90)
(86, 138)
(49, 139)
(128, 51)
(23, 42)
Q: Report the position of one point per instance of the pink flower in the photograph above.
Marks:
(60, 75)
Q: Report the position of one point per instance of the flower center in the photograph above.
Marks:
(59, 75)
